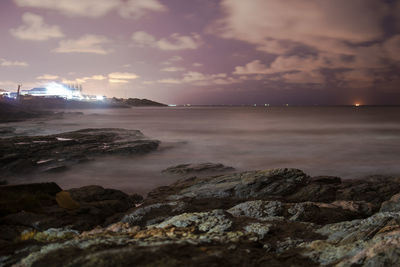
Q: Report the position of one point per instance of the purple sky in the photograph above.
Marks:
(207, 51)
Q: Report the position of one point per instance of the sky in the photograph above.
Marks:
(299, 52)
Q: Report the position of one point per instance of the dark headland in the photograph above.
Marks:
(32, 107)
(212, 216)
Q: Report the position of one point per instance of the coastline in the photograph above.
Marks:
(278, 217)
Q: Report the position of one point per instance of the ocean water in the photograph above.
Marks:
(349, 142)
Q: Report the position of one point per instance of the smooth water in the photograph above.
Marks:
(348, 142)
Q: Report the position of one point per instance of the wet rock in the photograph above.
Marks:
(7, 130)
(200, 168)
(54, 153)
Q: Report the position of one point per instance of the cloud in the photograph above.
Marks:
(312, 77)
(121, 77)
(392, 47)
(97, 77)
(357, 78)
(253, 67)
(180, 42)
(96, 8)
(174, 42)
(309, 36)
(283, 64)
(7, 63)
(276, 26)
(200, 79)
(172, 60)
(47, 77)
(88, 43)
(117, 81)
(197, 64)
(139, 8)
(142, 38)
(173, 69)
(35, 29)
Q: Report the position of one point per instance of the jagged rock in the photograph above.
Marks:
(374, 189)
(200, 168)
(245, 185)
(261, 229)
(391, 205)
(154, 213)
(212, 222)
(247, 219)
(320, 213)
(27, 154)
(373, 240)
(38, 207)
(362, 229)
(258, 209)
(53, 234)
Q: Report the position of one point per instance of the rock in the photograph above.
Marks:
(319, 213)
(258, 209)
(7, 130)
(34, 208)
(28, 197)
(155, 213)
(52, 234)
(362, 229)
(260, 229)
(375, 189)
(11, 111)
(54, 153)
(372, 241)
(391, 205)
(96, 193)
(257, 218)
(245, 185)
(184, 169)
(64, 200)
(211, 222)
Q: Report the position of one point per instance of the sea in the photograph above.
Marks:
(349, 142)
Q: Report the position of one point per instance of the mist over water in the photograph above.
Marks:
(343, 141)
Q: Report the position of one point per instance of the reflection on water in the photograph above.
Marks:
(342, 141)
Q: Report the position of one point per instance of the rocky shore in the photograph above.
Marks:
(11, 112)
(54, 153)
(277, 217)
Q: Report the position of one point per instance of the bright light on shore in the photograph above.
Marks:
(100, 97)
(357, 104)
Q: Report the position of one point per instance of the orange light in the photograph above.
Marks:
(357, 104)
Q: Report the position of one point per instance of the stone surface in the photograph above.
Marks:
(255, 218)
(200, 168)
(53, 153)
(211, 222)
(391, 205)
